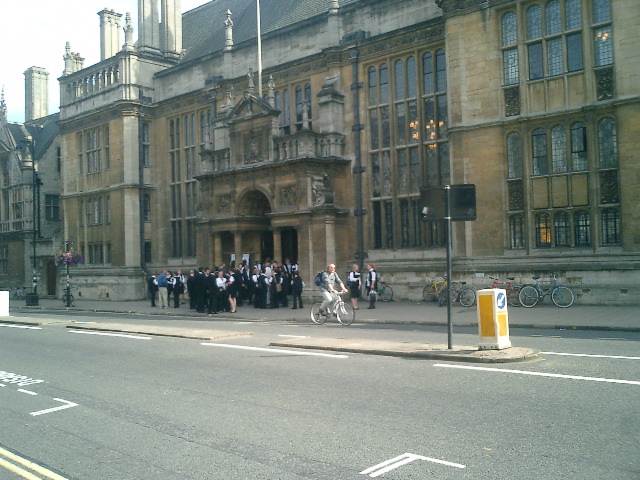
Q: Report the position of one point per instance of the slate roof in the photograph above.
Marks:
(203, 30)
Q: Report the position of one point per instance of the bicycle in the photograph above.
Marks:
(67, 298)
(561, 295)
(17, 293)
(344, 312)
(459, 293)
(432, 291)
(513, 290)
(384, 291)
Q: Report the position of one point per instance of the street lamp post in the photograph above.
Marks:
(35, 184)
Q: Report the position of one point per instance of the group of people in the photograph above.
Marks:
(223, 289)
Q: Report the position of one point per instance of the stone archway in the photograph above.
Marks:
(254, 203)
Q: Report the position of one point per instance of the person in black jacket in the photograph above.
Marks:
(296, 288)
(153, 289)
(191, 288)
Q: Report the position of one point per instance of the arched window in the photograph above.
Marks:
(441, 71)
(516, 231)
(562, 230)
(578, 146)
(539, 150)
(372, 75)
(611, 227)
(286, 112)
(412, 85)
(552, 17)
(543, 230)
(572, 14)
(534, 22)
(384, 84)
(607, 143)
(399, 74)
(558, 149)
(509, 30)
(514, 155)
(582, 229)
(427, 69)
(299, 104)
(307, 100)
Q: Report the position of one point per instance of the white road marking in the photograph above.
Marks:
(28, 392)
(137, 337)
(55, 409)
(591, 355)
(294, 336)
(611, 338)
(276, 350)
(26, 327)
(538, 374)
(403, 459)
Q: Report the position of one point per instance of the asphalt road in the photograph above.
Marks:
(137, 407)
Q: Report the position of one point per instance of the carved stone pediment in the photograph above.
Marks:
(249, 108)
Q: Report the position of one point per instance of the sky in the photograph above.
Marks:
(33, 33)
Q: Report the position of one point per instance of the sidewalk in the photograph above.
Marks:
(577, 317)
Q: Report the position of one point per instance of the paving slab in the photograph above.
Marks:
(414, 350)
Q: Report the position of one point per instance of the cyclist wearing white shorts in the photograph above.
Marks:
(330, 279)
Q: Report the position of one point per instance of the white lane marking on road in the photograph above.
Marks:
(25, 327)
(539, 374)
(28, 392)
(136, 337)
(611, 338)
(294, 336)
(591, 355)
(276, 350)
(28, 464)
(388, 465)
(67, 403)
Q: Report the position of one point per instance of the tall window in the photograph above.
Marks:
(146, 146)
(514, 155)
(611, 227)
(408, 142)
(52, 207)
(4, 259)
(146, 207)
(175, 187)
(510, 48)
(554, 47)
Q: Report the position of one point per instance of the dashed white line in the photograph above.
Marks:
(136, 337)
(293, 336)
(623, 357)
(276, 350)
(25, 327)
(538, 374)
(28, 392)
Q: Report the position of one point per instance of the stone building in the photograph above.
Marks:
(188, 148)
(30, 205)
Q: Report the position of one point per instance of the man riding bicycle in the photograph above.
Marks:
(328, 288)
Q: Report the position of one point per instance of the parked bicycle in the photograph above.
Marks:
(513, 290)
(67, 298)
(561, 295)
(459, 293)
(17, 293)
(432, 291)
(384, 291)
(343, 312)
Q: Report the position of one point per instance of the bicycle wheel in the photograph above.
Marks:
(528, 296)
(386, 293)
(562, 297)
(429, 293)
(315, 314)
(467, 297)
(345, 313)
(513, 296)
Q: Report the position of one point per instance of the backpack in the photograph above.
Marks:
(319, 279)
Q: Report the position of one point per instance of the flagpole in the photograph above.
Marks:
(259, 50)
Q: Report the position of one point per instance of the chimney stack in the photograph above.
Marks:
(36, 93)
(109, 33)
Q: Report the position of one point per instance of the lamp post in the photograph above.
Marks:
(35, 184)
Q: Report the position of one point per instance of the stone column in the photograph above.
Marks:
(217, 249)
(277, 245)
(237, 246)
